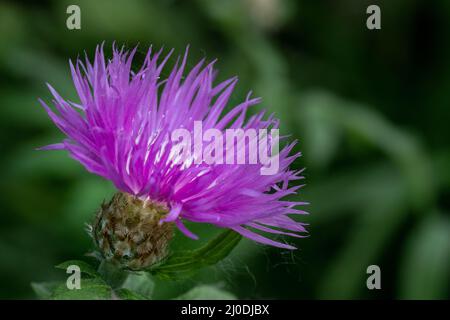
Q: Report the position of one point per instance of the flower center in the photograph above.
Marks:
(127, 231)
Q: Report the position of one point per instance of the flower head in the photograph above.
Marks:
(122, 130)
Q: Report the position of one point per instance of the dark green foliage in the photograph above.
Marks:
(183, 264)
(371, 111)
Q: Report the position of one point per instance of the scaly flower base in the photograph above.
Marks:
(128, 232)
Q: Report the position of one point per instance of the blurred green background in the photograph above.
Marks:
(371, 110)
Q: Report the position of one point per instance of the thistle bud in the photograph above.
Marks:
(128, 232)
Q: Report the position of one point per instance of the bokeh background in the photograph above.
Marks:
(371, 110)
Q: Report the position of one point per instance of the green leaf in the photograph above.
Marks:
(206, 292)
(183, 265)
(44, 290)
(90, 289)
(140, 283)
(112, 274)
(84, 267)
(426, 263)
(125, 294)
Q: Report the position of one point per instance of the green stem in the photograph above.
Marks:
(112, 274)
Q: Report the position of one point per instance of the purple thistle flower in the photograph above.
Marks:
(121, 131)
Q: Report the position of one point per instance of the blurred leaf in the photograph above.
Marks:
(346, 276)
(184, 264)
(262, 60)
(12, 28)
(91, 289)
(400, 146)
(130, 21)
(270, 15)
(42, 67)
(25, 162)
(26, 254)
(228, 14)
(139, 283)
(269, 78)
(112, 274)
(353, 190)
(44, 290)
(441, 168)
(23, 109)
(84, 267)
(321, 132)
(365, 123)
(425, 269)
(83, 202)
(125, 294)
(206, 292)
